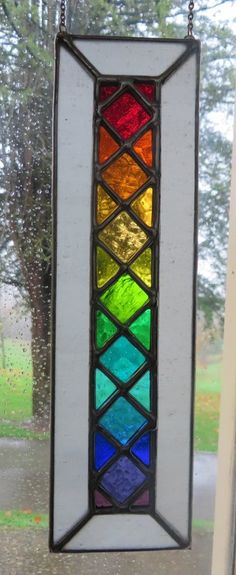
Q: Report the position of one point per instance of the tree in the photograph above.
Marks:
(26, 63)
(26, 74)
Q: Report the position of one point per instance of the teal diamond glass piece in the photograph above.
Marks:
(122, 420)
(104, 388)
(122, 359)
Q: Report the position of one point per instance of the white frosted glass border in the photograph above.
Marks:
(176, 295)
(115, 532)
(129, 57)
(74, 177)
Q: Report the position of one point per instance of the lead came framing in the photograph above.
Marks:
(125, 185)
(125, 279)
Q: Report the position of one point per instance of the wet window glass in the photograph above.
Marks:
(26, 68)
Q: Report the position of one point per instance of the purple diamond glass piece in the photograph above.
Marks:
(101, 501)
(122, 479)
(142, 500)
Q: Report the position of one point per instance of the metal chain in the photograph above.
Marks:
(62, 26)
(190, 19)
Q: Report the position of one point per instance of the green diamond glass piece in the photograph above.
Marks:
(122, 420)
(122, 359)
(105, 329)
(141, 391)
(104, 388)
(141, 328)
(124, 298)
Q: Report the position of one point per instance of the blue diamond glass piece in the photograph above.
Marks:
(104, 450)
(122, 479)
(122, 420)
(122, 359)
(141, 448)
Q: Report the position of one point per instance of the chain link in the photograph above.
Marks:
(62, 25)
(190, 19)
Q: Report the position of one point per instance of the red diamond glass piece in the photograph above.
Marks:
(106, 90)
(126, 115)
(147, 89)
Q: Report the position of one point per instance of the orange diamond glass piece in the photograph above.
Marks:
(107, 145)
(124, 176)
(123, 237)
(143, 147)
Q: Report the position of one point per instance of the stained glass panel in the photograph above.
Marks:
(125, 238)
(111, 183)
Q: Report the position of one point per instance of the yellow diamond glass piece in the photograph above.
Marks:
(124, 176)
(123, 237)
(142, 267)
(105, 205)
(142, 206)
(106, 267)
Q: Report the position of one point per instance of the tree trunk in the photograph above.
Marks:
(40, 349)
(39, 292)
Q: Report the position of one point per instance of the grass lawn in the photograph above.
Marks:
(25, 519)
(16, 392)
(16, 382)
(207, 404)
(16, 402)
